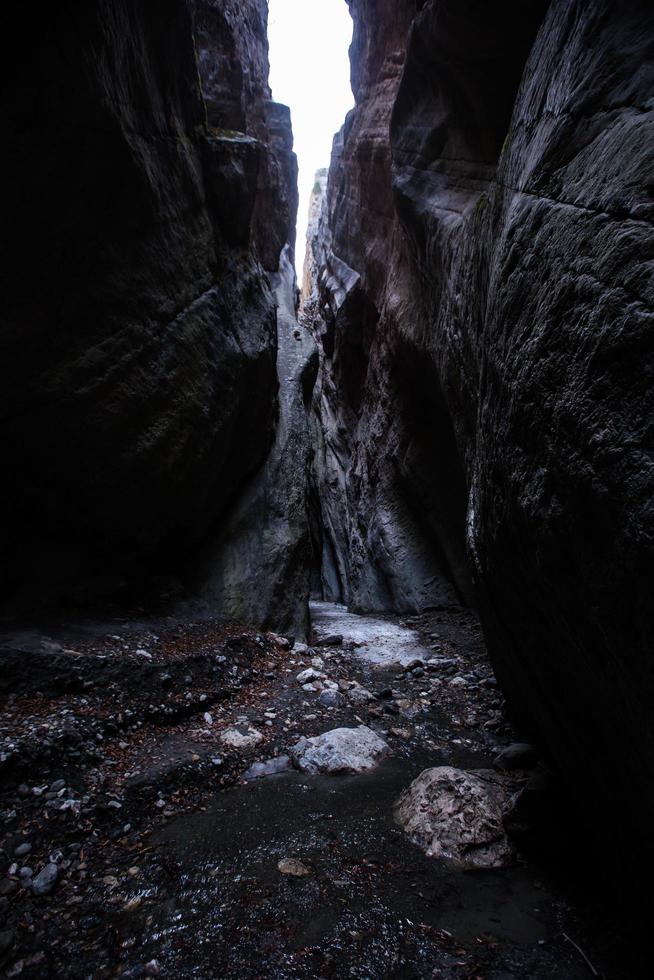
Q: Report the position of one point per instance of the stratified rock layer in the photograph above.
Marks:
(483, 297)
(152, 188)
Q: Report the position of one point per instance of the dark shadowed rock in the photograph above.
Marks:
(518, 755)
(153, 192)
(45, 880)
(482, 293)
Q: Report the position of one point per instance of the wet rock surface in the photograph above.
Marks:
(168, 850)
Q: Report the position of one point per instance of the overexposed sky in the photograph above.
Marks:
(310, 72)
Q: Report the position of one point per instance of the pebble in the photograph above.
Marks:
(45, 880)
(22, 850)
(308, 676)
(330, 698)
(333, 640)
(293, 867)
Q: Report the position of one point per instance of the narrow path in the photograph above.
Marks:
(169, 852)
(372, 905)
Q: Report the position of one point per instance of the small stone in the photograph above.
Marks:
(152, 969)
(308, 676)
(22, 850)
(208, 718)
(293, 867)
(268, 768)
(6, 940)
(45, 880)
(58, 785)
(330, 698)
(359, 695)
(143, 653)
(333, 640)
(243, 738)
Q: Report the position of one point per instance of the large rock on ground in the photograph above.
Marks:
(483, 296)
(343, 750)
(457, 815)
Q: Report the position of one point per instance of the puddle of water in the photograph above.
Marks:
(367, 877)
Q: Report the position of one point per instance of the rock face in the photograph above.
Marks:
(457, 815)
(343, 750)
(483, 296)
(153, 193)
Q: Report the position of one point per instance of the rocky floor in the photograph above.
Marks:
(156, 821)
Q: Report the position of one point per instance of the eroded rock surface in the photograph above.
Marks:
(457, 815)
(483, 300)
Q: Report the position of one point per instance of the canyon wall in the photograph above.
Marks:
(481, 289)
(153, 191)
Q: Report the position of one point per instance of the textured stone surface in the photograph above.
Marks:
(139, 341)
(457, 815)
(483, 300)
(259, 569)
(390, 526)
(343, 750)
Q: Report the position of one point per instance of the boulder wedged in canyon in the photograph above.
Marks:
(153, 191)
(482, 293)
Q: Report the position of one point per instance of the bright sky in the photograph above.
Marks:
(310, 72)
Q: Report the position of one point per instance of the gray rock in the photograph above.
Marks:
(308, 676)
(333, 640)
(457, 815)
(242, 738)
(23, 849)
(45, 880)
(518, 755)
(330, 698)
(268, 768)
(293, 867)
(359, 695)
(342, 750)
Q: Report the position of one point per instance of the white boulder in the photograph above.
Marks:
(343, 750)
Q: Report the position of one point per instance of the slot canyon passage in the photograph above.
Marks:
(326, 644)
